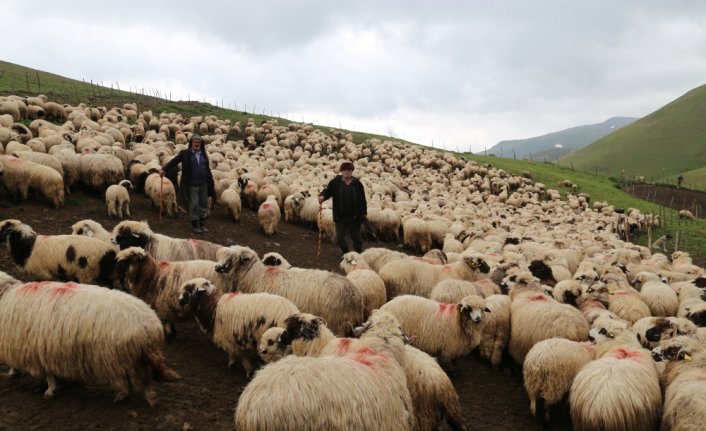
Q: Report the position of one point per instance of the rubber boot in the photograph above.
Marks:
(202, 223)
(195, 226)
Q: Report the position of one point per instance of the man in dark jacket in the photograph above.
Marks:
(349, 206)
(196, 180)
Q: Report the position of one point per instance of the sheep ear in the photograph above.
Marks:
(486, 309)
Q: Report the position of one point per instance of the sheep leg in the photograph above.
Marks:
(247, 366)
(127, 209)
(11, 374)
(169, 331)
(53, 386)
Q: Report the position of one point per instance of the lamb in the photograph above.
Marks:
(619, 391)
(58, 257)
(419, 278)
(117, 199)
(329, 295)
(366, 280)
(447, 331)
(268, 215)
(292, 207)
(429, 386)
(74, 337)
(231, 199)
(162, 193)
(536, 317)
(495, 333)
(162, 247)
(235, 321)
(549, 370)
(296, 388)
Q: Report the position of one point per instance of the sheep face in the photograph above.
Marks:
(662, 330)
(675, 349)
(83, 228)
(271, 348)
(477, 263)
(126, 236)
(472, 308)
(194, 289)
(597, 292)
(302, 325)
(234, 259)
(272, 260)
(125, 261)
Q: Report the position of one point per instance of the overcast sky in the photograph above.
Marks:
(465, 74)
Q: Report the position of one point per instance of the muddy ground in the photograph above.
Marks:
(206, 396)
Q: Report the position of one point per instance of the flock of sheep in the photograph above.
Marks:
(508, 267)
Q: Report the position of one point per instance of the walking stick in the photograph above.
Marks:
(161, 200)
(321, 232)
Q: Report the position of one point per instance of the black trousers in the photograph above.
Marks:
(351, 226)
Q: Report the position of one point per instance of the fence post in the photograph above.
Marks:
(27, 76)
(39, 84)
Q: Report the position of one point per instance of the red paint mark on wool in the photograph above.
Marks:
(264, 206)
(626, 353)
(164, 264)
(194, 241)
(621, 293)
(15, 160)
(447, 268)
(34, 286)
(344, 344)
(229, 296)
(366, 356)
(63, 289)
(272, 270)
(446, 308)
(361, 267)
(538, 298)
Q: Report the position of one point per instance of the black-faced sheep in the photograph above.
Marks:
(162, 247)
(316, 392)
(117, 199)
(235, 321)
(74, 337)
(58, 257)
(329, 295)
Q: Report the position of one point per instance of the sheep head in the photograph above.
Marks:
(275, 259)
(271, 348)
(85, 227)
(194, 289)
(301, 326)
(676, 349)
(234, 258)
(477, 263)
(472, 308)
(125, 262)
(131, 234)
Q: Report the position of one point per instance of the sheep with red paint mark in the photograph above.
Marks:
(368, 281)
(495, 333)
(273, 258)
(74, 336)
(685, 380)
(620, 391)
(431, 390)
(268, 215)
(58, 257)
(417, 277)
(446, 331)
(324, 293)
(297, 393)
(130, 233)
(158, 282)
(536, 317)
(235, 321)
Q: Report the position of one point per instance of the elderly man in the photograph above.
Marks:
(349, 206)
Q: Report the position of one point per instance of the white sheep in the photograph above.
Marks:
(620, 391)
(377, 257)
(91, 228)
(20, 176)
(74, 337)
(368, 281)
(162, 193)
(451, 290)
(416, 234)
(659, 297)
(686, 214)
(684, 406)
(268, 215)
(447, 331)
(117, 199)
(451, 244)
(495, 333)
(235, 321)
(316, 392)
(98, 171)
(549, 370)
(231, 199)
(58, 257)
(329, 295)
(162, 247)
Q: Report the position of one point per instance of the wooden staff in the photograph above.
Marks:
(321, 232)
(161, 200)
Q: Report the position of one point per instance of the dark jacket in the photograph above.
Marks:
(334, 190)
(184, 157)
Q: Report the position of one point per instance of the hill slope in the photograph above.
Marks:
(545, 147)
(666, 142)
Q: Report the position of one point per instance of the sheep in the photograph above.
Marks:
(447, 331)
(329, 295)
(156, 282)
(292, 207)
(659, 297)
(58, 257)
(269, 190)
(691, 302)
(536, 317)
(416, 234)
(298, 392)
(450, 290)
(627, 304)
(495, 333)
(19, 176)
(419, 278)
(248, 191)
(684, 407)
(429, 386)
(686, 215)
(162, 193)
(377, 257)
(162, 247)
(268, 215)
(549, 370)
(235, 321)
(270, 348)
(366, 280)
(275, 259)
(91, 228)
(451, 244)
(74, 337)
(70, 164)
(117, 199)
(619, 391)
(231, 199)
(98, 171)
(386, 223)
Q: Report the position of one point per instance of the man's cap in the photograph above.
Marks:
(346, 166)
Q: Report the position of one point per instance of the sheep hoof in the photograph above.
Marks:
(151, 397)
(120, 396)
(49, 394)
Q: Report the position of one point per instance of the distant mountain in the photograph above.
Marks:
(665, 143)
(552, 146)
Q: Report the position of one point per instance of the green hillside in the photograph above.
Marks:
(554, 145)
(665, 143)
